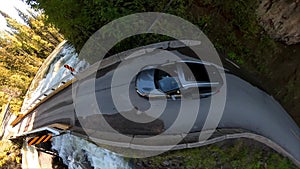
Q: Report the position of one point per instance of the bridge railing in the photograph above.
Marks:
(43, 97)
(5, 116)
(33, 103)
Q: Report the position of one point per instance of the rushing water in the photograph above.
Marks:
(52, 71)
(76, 153)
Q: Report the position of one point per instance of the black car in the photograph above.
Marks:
(179, 79)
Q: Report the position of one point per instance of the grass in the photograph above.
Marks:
(233, 28)
(240, 154)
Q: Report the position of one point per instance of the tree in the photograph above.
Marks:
(77, 20)
(22, 50)
(35, 36)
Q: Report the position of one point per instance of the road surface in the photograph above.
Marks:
(249, 112)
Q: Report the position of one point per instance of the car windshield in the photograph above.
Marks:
(168, 84)
(165, 78)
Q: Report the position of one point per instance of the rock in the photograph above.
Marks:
(139, 164)
(281, 19)
(166, 163)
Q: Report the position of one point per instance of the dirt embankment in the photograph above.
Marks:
(284, 79)
(281, 19)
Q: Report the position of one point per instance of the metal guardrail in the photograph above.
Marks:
(48, 91)
(4, 119)
(45, 96)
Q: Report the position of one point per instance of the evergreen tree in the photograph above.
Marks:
(79, 19)
(23, 47)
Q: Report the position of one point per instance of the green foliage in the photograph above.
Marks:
(22, 50)
(78, 20)
(231, 154)
(233, 28)
(35, 38)
(231, 25)
(234, 57)
(10, 155)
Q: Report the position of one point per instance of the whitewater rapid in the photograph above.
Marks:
(78, 153)
(52, 71)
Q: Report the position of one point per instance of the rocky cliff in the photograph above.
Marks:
(281, 19)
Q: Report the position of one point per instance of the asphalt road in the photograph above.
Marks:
(247, 107)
